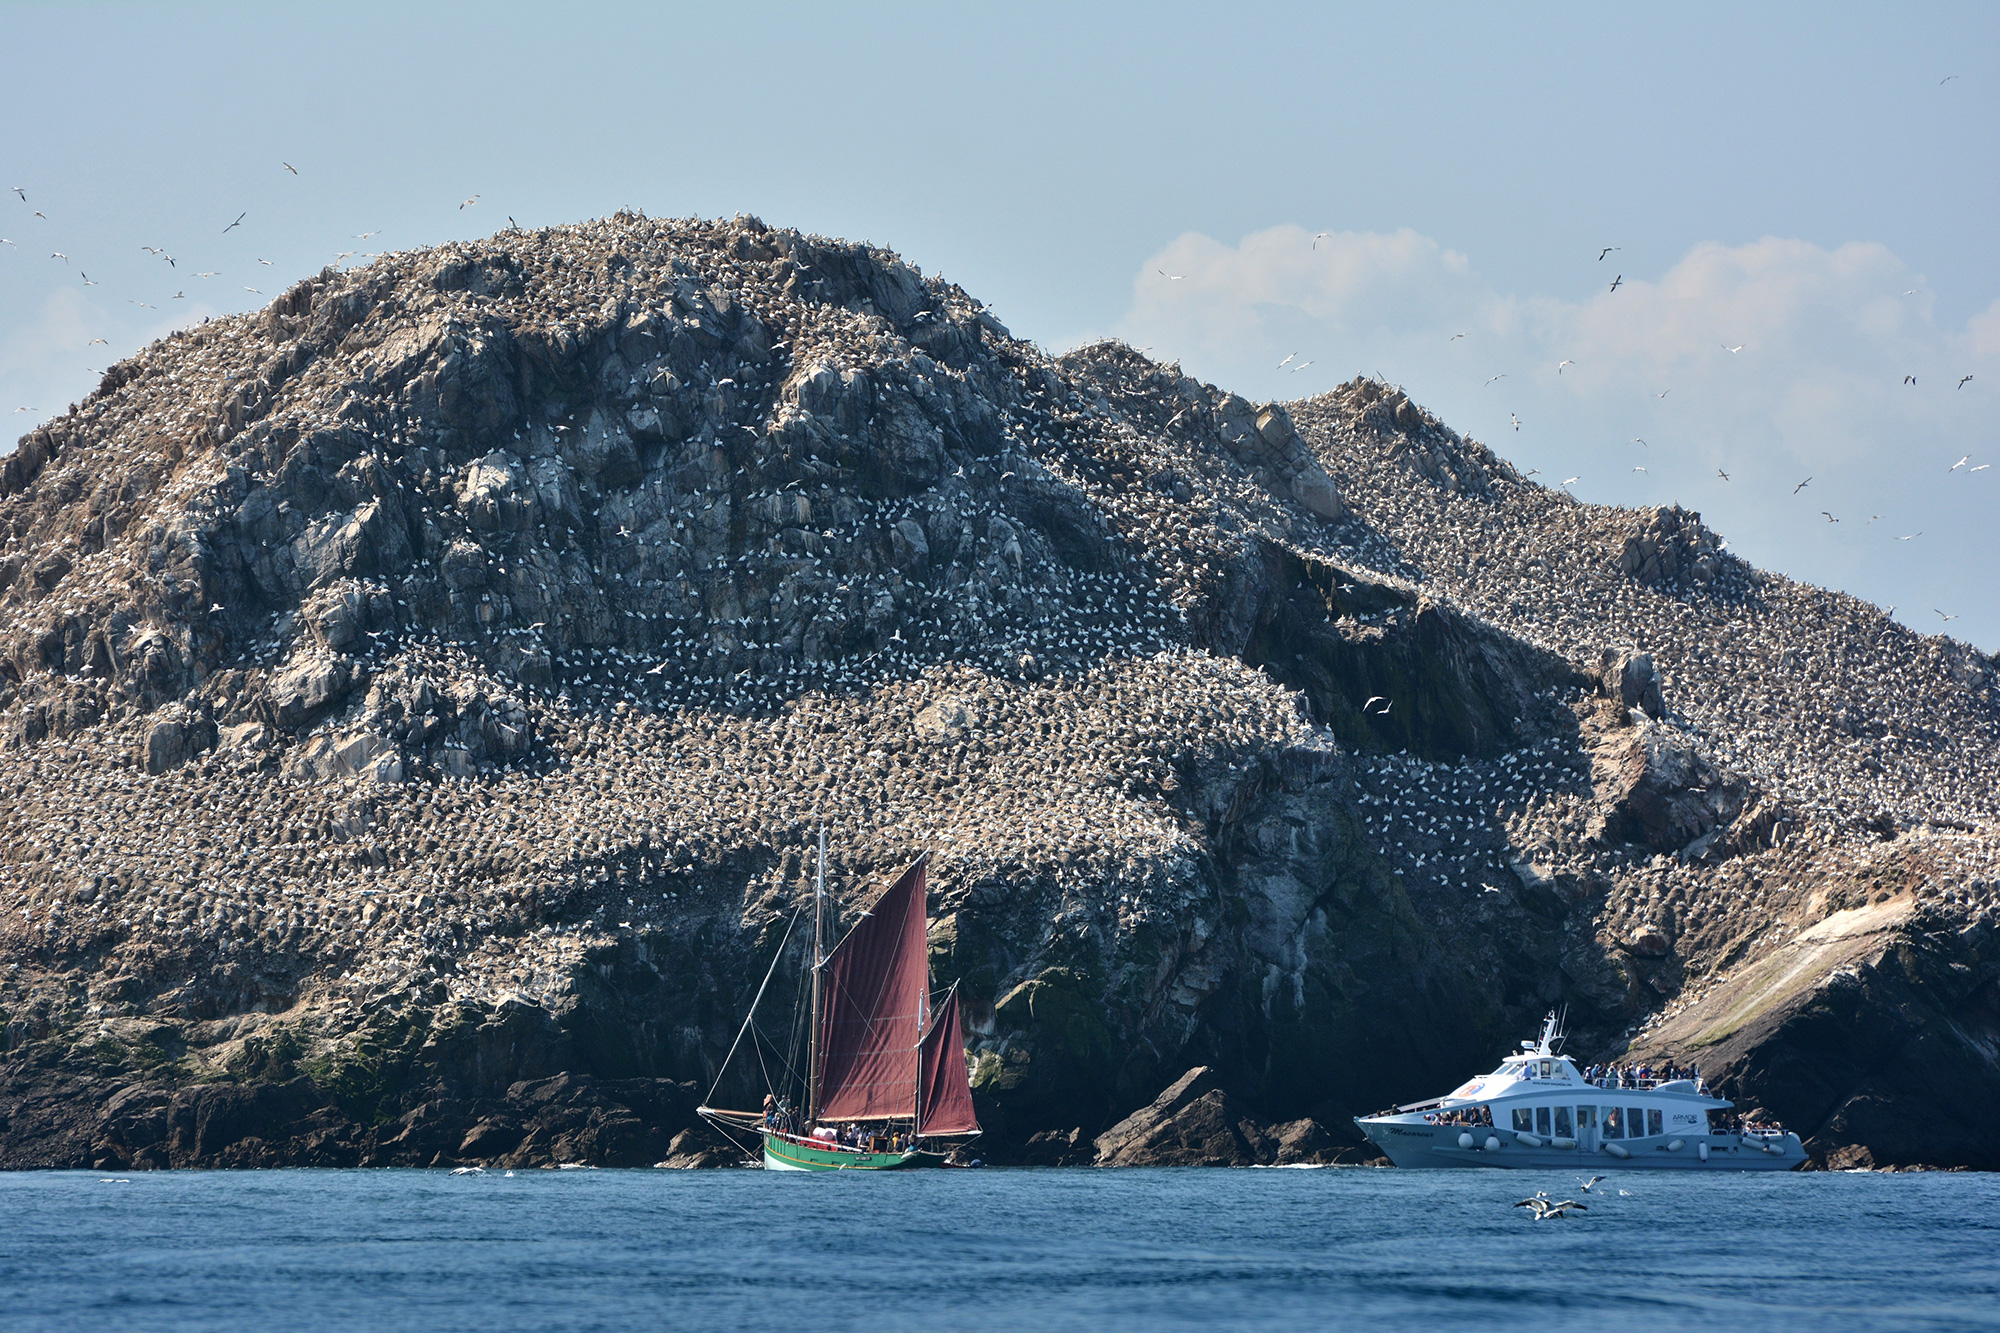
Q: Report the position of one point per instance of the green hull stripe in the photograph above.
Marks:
(826, 1159)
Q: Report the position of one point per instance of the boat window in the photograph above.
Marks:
(1614, 1123)
(1542, 1121)
(1547, 1068)
(1586, 1117)
(1563, 1129)
(1652, 1121)
(1524, 1120)
(1635, 1120)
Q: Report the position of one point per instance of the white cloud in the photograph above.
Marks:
(1826, 337)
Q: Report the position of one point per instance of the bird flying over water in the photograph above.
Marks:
(1947, 619)
(1501, 376)
(469, 202)
(1967, 380)
(1829, 517)
(234, 225)
(1170, 277)
(1561, 364)
(1960, 463)
(1912, 537)
(1727, 348)
(1802, 485)
(1909, 379)
(1587, 1184)
(1454, 337)
(1286, 362)
(1617, 282)
(289, 167)
(1607, 250)
(1720, 473)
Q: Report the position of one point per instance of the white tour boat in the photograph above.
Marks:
(1538, 1110)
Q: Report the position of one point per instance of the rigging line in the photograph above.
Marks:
(724, 1067)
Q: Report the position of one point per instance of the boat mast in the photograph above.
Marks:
(819, 949)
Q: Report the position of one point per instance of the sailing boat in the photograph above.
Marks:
(881, 1055)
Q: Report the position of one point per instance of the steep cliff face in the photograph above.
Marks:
(419, 699)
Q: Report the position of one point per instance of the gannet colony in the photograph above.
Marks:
(418, 699)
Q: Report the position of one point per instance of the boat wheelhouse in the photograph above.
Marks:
(1538, 1110)
(885, 1082)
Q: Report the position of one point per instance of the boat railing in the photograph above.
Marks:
(1622, 1084)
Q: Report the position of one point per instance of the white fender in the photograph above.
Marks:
(1677, 1145)
(1776, 1147)
(1701, 1151)
(1532, 1140)
(1562, 1143)
(1493, 1143)
(1617, 1150)
(1465, 1140)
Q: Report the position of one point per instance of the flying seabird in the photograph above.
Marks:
(1720, 473)
(1617, 282)
(234, 225)
(289, 167)
(1561, 364)
(1170, 277)
(1607, 250)
(1727, 348)
(1802, 485)
(1967, 380)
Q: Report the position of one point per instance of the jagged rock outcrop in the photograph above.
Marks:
(1194, 1122)
(418, 698)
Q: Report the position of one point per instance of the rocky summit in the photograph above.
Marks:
(419, 700)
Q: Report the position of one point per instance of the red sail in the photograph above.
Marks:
(947, 1107)
(871, 1018)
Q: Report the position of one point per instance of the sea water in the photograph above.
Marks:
(992, 1249)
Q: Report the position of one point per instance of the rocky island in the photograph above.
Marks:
(418, 699)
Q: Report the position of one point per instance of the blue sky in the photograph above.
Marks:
(1815, 185)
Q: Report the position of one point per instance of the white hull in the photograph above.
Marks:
(778, 1163)
(1419, 1145)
